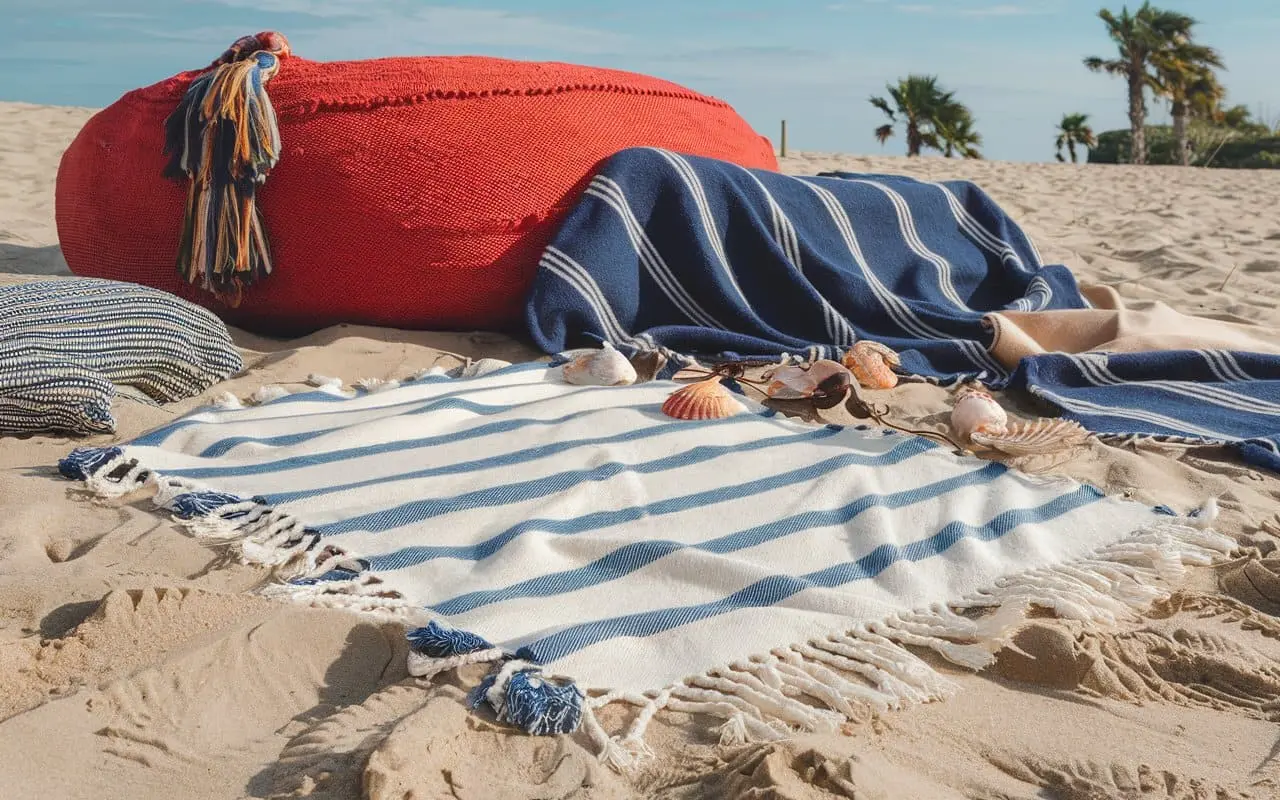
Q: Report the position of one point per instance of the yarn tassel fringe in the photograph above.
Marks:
(223, 138)
(824, 684)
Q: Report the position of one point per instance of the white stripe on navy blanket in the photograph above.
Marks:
(894, 306)
(784, 233)
(1093, 366)
(685, 254)
(612, 194)
(626, 549)
(907, 227)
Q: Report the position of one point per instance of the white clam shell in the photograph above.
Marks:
(977, 411)
(603, 367)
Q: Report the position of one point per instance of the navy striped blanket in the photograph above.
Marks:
(708, 259)
(1192, 396)
(702, 258)
(594, 550)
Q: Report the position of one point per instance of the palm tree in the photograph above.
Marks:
(1183, 72)
(1138, 37)
(954, 125)
(1074, 131)
(917, 101)
(1237, 116)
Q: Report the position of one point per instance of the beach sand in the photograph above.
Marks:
(137, 665)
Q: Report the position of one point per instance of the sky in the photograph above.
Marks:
(815, 63)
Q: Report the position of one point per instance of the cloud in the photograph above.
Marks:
(404, 27)
(1004, 10)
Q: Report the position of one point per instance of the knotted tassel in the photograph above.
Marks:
(83, 462)
(223, 138)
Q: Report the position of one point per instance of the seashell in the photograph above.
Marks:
(374, 385)
(227, 400)
(648, 364)
(702, 400)
(323, 381)
(822, 378)
(265, 394)
(482, 367)
(976, 411)
(1033, 438)
(872, 365)
(603, 367)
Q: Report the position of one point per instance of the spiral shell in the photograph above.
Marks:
(702, 400)
(603, 367)
(872, 365)
(976, 411)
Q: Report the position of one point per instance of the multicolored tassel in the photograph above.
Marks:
(223, 138)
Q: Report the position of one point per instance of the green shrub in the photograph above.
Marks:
(1211, 145)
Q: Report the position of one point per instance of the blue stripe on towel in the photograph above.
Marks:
(521, 491)
(775, 589)
(631, 557)
(600, 520)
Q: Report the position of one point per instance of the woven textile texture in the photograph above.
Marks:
(65, 345)
(750, 567)
(706, 259)
(410, 192)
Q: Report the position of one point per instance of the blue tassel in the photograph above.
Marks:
(542, 707)
(331, 575)
(481, 692)
(201, 504)
(85, 461)
(437, 641)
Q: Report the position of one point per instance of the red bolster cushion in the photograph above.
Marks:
(410, 192)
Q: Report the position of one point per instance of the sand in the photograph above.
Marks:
(136, 664)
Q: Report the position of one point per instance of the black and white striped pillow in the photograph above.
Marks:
(65, 345)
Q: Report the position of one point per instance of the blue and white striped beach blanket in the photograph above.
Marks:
(703, 258)
(754, 568)
(1197, 396)
(708, 259)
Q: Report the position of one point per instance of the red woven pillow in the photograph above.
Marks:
(410, 192)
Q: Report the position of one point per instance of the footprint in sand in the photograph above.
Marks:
(1177, 659)
(808, 767)
(444, 750)
(1261, 265)
(1254, 581)
(1081, 780)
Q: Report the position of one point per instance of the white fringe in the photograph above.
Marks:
(814, 686)
(822, 684)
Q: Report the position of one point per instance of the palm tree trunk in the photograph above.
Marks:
(1180, 114)
(1071, 148)
(914, 140)
(1137, 117)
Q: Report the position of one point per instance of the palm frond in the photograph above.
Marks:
(883, 105)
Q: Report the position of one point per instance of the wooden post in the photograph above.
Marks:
(783, 148)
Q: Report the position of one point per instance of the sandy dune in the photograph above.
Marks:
(138, 665)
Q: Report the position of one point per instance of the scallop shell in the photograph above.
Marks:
(1033, 438)
(702, 400)
(822, 377)
(976, 411)
(603, 367)
(872, 365)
